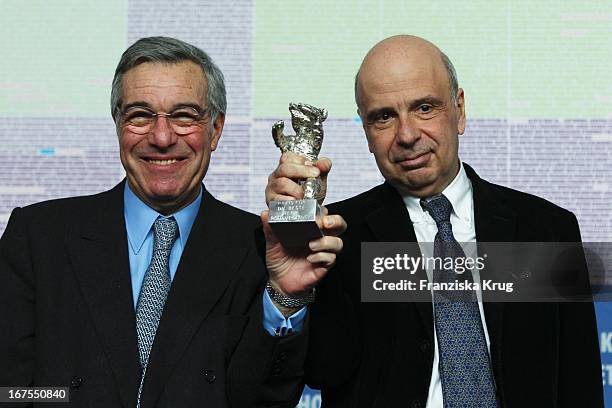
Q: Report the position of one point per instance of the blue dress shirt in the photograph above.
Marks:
(139, 219)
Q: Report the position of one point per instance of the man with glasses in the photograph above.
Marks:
(152, 293)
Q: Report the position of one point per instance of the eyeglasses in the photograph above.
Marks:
(141, 120)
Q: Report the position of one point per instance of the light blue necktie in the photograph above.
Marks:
(154, 290)
(465, 369)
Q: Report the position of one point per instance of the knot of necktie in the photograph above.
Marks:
(440, 208)
(165, 232)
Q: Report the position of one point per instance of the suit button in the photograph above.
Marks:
(425, 346)
(276, 368)
(209, 375)
(282, 356)
(76, 382)
(416, 404)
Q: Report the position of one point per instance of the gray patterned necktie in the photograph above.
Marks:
(154, 290)
(465, 370)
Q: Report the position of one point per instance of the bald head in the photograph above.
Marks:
(412, 113)
(403, 52)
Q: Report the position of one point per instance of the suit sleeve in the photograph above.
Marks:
(334, 340)
(276, 324)
(265, 370)
(580, 379)
(17, 305)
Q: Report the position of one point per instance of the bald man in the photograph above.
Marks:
(429, 353)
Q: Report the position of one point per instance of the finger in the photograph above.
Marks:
(322, 258)
(333, 225)
(326, 244)
(324, 165)
(283, 198)
(283, 187)
(319, 220)
(290, 157)
(295, 171)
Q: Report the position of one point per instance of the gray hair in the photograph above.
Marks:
(168, 50)
(453, 83)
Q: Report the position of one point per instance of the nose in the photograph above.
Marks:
(407, 132)
(162, 135)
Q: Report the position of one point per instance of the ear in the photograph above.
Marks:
(216, 131)
(461, 111)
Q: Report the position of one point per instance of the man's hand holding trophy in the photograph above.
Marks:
(301, 239)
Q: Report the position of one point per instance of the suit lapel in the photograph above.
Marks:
(207, 265)
(99, 254)
(495, 222)
(390, 221)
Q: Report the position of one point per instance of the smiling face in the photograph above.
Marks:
(410, 121)
(164, 169)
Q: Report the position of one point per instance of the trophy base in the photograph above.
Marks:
(294, 222)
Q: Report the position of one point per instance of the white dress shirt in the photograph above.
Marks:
(459, 193)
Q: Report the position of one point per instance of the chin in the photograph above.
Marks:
(418, 187)
(418, 178)
(164, 192)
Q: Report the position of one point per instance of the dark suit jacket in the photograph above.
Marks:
(381, 354)
(68, 317)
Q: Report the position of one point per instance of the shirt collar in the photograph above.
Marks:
(458, 192)
(139, 218)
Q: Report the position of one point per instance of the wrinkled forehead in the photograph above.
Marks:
(385, 71)
(183, 80)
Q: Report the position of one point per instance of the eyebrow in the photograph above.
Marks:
(373, 114)
(143, 104)
(426, 100)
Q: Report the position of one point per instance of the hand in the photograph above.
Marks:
(281, 185)
(294, 272)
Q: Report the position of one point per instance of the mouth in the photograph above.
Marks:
(410, 163)
(163, 162)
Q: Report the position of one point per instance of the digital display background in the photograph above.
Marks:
(537, 79)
